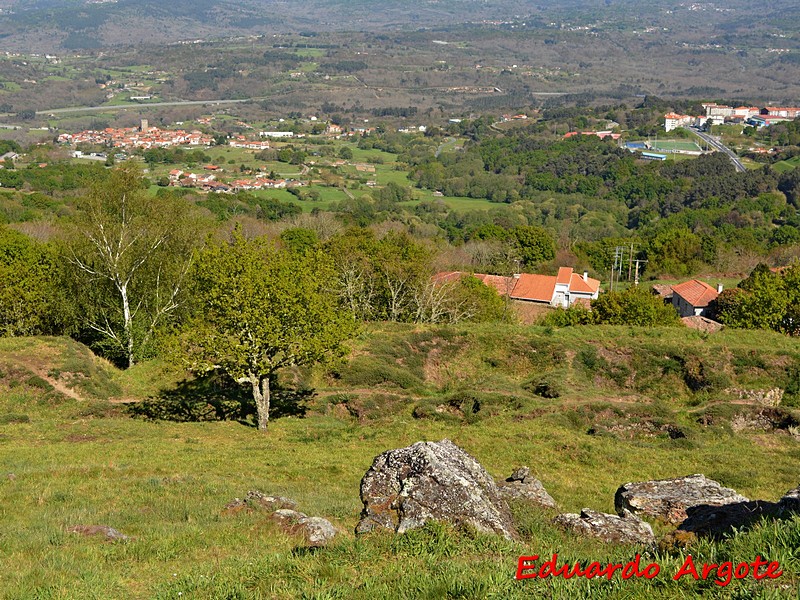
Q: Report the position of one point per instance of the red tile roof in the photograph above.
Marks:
(695, 292)
(534, 287)
(564, 275)
(587, 286)
(528, 286)
(503, 285)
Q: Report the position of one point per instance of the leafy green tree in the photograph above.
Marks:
(260, 309)
(299, 239)
(535, 244)
(30, 301)
(675, 251)
(130, 253)
(635, 306)
(346, 153)
(481, 302)
(762, 301)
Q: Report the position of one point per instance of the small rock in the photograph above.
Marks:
(668, 499)
(521, 486)
(519, 474)
(11, 477)
(315, 530)
(790, 501)
(287, 516)
(258, 500)
(431, 481)
(628, 529)
(109, 532)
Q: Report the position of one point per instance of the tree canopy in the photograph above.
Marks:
(260, 308)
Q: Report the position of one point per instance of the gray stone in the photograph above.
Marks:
(258, 500)
(668, 499)
(521, 486)
(520, 474)
(108, 532)
(315, 530)
(790, 501)
(718, 521)
(431, 481)
(627, 529)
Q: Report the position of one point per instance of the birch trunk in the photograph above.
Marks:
(261, 396)
(128, 324)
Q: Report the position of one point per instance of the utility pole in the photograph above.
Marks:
(630, 263)
(636, 280)
(619, 259)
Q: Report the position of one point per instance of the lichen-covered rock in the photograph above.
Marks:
(790, 501)
(521, 486)
(627, 529)
(258, 500)
(717, 521)
(668, 499)
(108, 532)
(315, 530)
(431, 481)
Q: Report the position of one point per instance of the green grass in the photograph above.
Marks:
(669, 145)
(787, 165)
(81, 462)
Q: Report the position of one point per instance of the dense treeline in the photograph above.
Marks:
(118, 271)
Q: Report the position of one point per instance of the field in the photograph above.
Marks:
(675, 145)
(69, 456)
(666, 146)
(787, 165)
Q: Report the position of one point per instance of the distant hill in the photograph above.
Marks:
(74, 24)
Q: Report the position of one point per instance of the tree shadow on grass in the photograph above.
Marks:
(217, 397)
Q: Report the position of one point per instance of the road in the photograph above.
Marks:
(56, 111)
(717, 145)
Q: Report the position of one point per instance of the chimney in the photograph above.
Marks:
(719, 288)
(586, 275)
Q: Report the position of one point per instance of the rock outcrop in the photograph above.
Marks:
(315, 530)
(431, 481)
(627, 529)
(521, 486)
(717, 521)
(669, 499)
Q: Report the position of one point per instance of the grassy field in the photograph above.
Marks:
(787, 165)
(69, 456)
(671, 145)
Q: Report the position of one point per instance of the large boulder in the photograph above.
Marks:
(627, 529)
(431, 481)
(521, 486)
(668, 499)
(718, 521)
(316, 531)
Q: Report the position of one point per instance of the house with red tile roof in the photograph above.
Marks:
(563, 289)
(691, 298)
